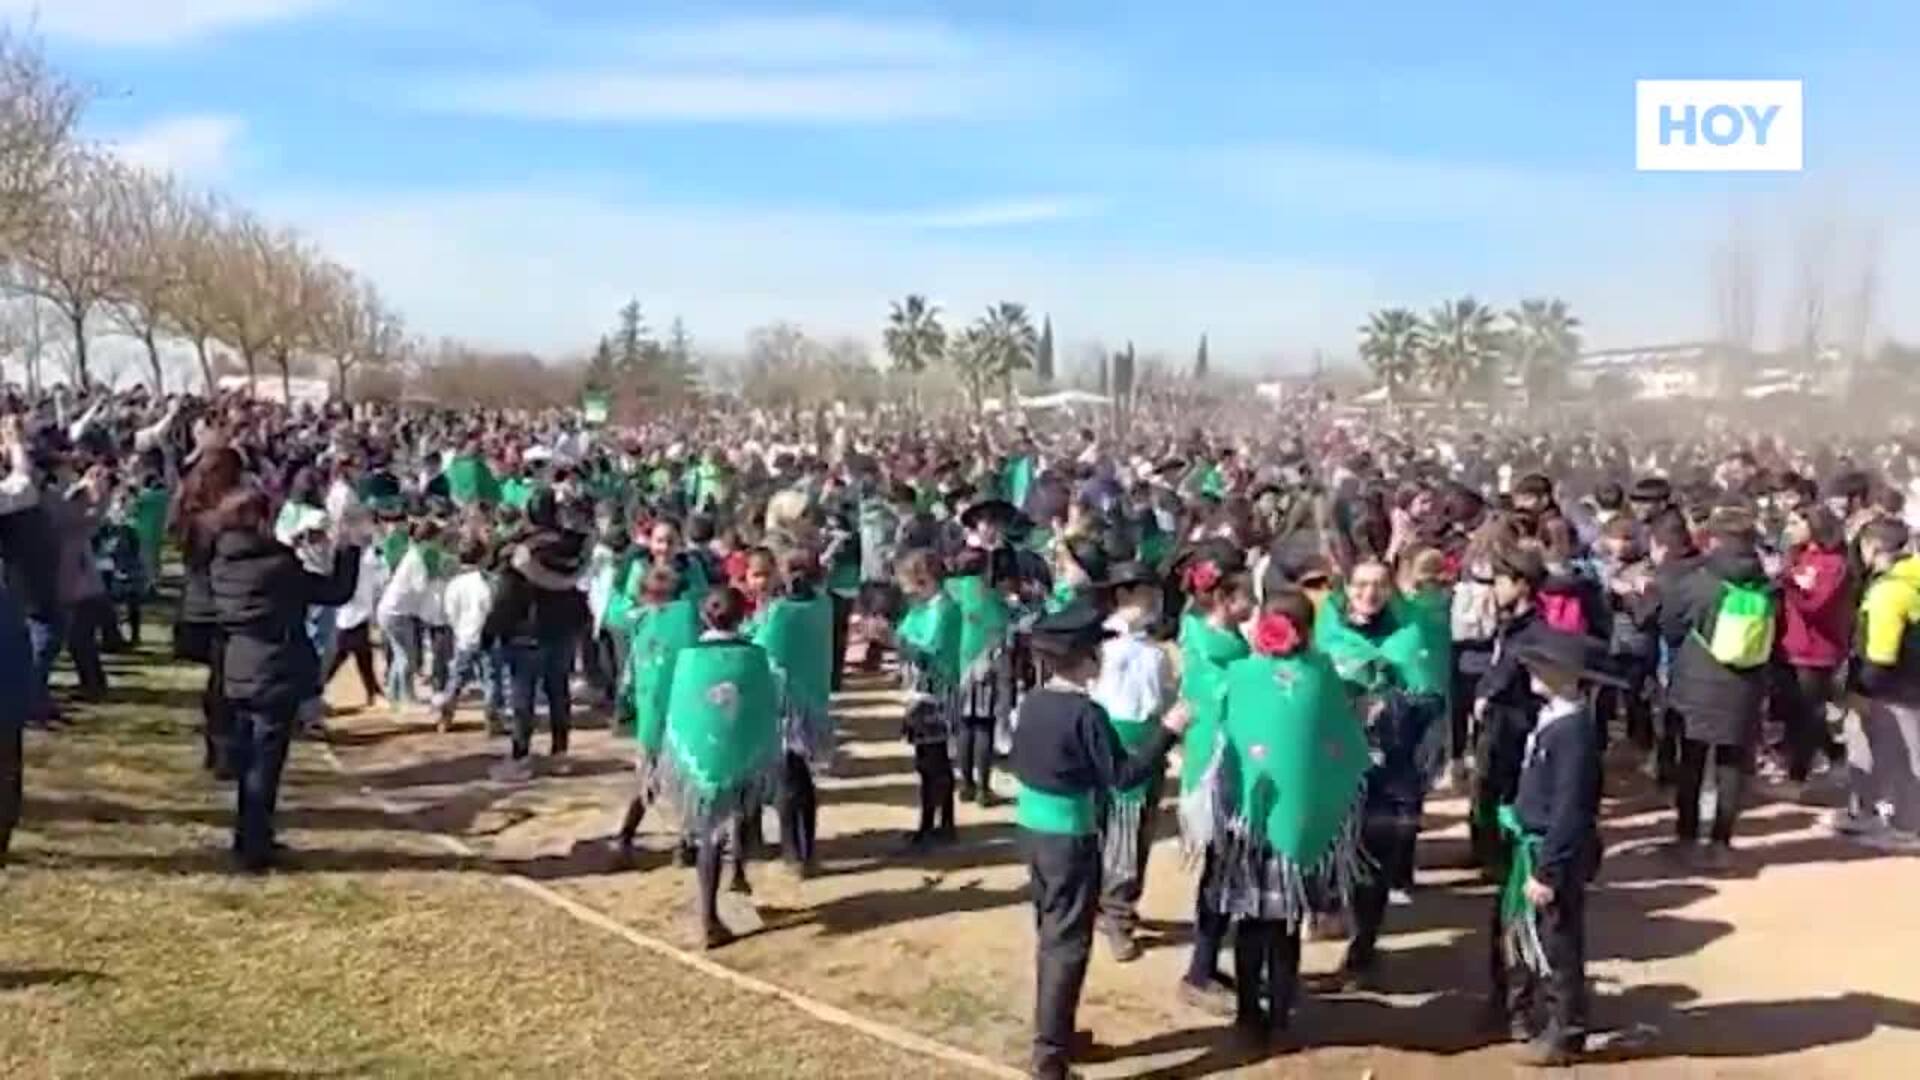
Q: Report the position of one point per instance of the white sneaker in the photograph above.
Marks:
(1854, 823)
(1400, 898)
(513, 771)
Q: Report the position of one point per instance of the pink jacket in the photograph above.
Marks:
(1817, 622)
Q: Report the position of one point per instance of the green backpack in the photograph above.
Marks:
(1740, 633)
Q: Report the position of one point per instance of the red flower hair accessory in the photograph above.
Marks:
(1275, 635)
(1202, 577)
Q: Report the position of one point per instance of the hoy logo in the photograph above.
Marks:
(1718, 125)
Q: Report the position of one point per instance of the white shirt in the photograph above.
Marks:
(411, 592)
(1136, 677)
(366, 591)
(469, 600)
(1555, 709)
(340, 499)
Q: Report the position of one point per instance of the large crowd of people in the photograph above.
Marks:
(1324, 616)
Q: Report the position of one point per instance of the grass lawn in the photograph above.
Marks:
(129, 951)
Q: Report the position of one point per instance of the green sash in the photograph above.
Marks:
(722, 753)
(929, 634)
(1519, 928)
(1205, 653)
(1058, 815)
(1291, 782)
(658, 635)
(1126, 808)
(517, 492)
(984, 626)
(798, 638)
(394, 548)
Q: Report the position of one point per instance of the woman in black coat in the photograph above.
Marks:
(261, 594)
(216, 473)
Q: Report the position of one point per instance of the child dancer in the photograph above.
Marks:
(796, 629)
(657, 630)
(928, 643)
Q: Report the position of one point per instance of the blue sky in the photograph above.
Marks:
(511, 170)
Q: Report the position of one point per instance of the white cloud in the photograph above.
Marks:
(200, 146)
(544, 271)
(151, 22)
(814, 69)
(993, 215)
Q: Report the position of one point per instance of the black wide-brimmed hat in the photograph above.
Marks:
(1130, 575)
(990, 512)
(1541, 647)
(1079, 628)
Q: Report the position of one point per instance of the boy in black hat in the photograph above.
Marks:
(1136, 686)
(1552, 830)
(1067, 757)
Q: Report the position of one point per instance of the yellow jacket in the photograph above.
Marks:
(1890, 609)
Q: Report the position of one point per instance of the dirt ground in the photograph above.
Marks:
(1798, 963)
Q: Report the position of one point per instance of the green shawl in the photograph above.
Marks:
(1519, 924)
(149, 521)
(798, 638)
(657, 636)
(1205, 653)
(1291, 783)
(1416, 657)
(984, 626)
(722, 753)
(394, 548)
(470, 481)
(1062, 597)
(929, 639)
(517, 492)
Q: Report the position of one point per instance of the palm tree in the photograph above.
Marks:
(971, 354)
(1543, 340)
(1462, 344)
(914, 339)
(1011, 344)
(1393, 344)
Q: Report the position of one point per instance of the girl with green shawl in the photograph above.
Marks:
(984, 692)
(796, 630)
(720, 757)
(1288, 797)
(1395, 662)
(1210, 643)
(927, 641)
(656, 629)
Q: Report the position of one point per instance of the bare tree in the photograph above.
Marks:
(356, 330)
(195, 312)
(70, 263)
(150, 264)
(39, 110)
(1813, 268)
(241, 290)
(1736, 288)
(1859, 306)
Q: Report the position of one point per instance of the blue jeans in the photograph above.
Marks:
(402, 636)
(259, 748)
(470, 665)
(547, 664)
(47, 636)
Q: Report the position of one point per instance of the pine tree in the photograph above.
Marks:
(630, 338)
(1043, 363)
(600, 367)
(1200, 360)
(1106, 373)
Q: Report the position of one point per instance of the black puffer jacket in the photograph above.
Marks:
(1719, 704)
(261, 594)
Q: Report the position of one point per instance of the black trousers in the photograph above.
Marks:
(1120, 896)
(1390, 845)
(12, 777)
(86, 625)
(799, 811)
(1209, 929)
(714, 848)
(259, 747)
(1562, 994)
(1498, 756)
(974, 739)
(842, 621)
(1731, 764)
(935, 767)
(1800, 698)
(1266, 968)
(355, 642)
(216, 714)
(1064, 872)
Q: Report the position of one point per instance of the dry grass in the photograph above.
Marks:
(130, 952)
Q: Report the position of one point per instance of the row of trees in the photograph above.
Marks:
(104, 247)
(1463, 346)
(983, 355)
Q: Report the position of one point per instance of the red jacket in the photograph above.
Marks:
(1817, 623)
